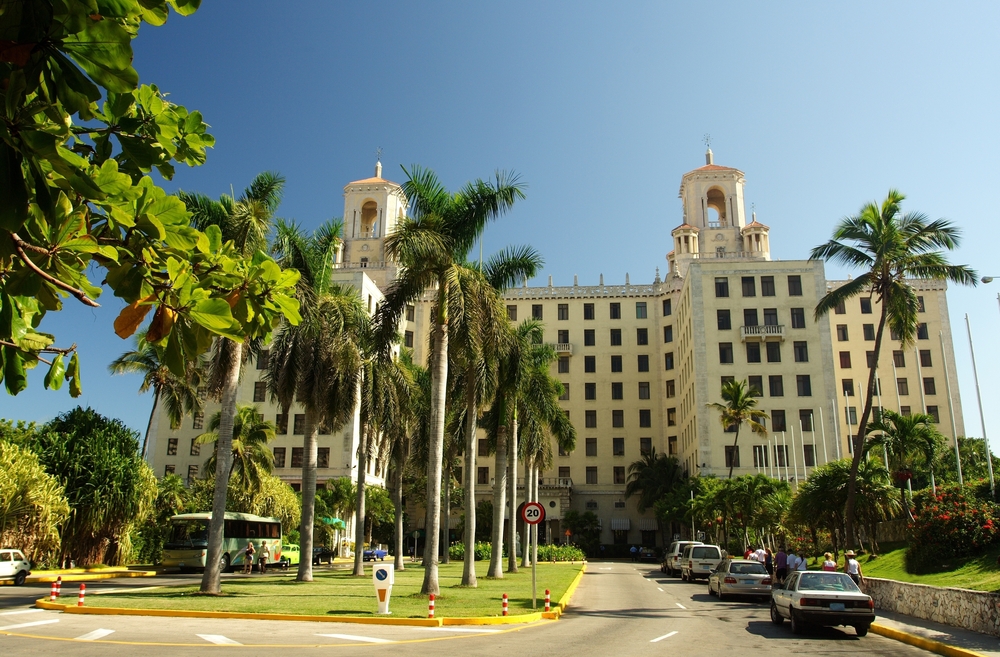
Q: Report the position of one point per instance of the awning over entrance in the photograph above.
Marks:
(620, 524)
(647, 525)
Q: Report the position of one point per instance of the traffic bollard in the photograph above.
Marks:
(547, 600)
(83, 592)
(52, 593)
(504, 604)
(59, 586)
(430, 606)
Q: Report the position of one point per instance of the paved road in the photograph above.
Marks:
(620, 609)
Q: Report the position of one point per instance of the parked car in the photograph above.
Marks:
(371, 554)
(290, 555)
(699, 561)
(821, 598)
(739, 577)
(647, 554)
(321, 554)
(14, 566)
(671, 563)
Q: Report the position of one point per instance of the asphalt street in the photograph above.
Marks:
(619, 609)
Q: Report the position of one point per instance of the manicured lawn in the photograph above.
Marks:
(337, 592)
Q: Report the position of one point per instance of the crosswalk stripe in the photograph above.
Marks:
(20, 625)
(680, 605)
(220, 640)
(665, 636)
(351, 637)
(95, 635)
(20, 611)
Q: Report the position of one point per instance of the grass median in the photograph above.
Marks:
(339, 593)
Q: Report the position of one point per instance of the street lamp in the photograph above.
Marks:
(979, 399)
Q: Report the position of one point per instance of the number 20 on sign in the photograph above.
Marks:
(533, 513)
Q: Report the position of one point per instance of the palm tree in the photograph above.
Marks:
(251, 459)
(652, 477)
(904, 436)
(246, 222)
(890, 247)
(179, 396)
(429, 247)
(413, 419)
(739, 408)
(317, 363)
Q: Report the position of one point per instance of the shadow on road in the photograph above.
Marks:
(769, 630)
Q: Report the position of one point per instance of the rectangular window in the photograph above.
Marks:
(618, 446)
(195, 447)
(777, 420)
(795, 286)
(645, 445)
(755, 385)
(644, 390)
(721, 286)
(753, 352)
(904, 410)
(869, 358)
(263, 359)
(563, 311)
(851, 415)
(667, 310)
(749, 286)
(902, 387)
(866, 306)
(192, 473)
(801, 351)
(640, 310)
(671, 388)
(933, 412)
(536, 311)
(869, 331)
(845, 360)
(750, 317)
(847, 387)
(776, 385)
(588, 311)
(591, 474)
(562, 452)
(898, 358)
(512, 313)
(279, 457)
(671, 417)
(616, 337)
(920, 305)
(619, 471)
(646, 418)
(643, 362)
(671, 445)
(590, 364)
(723, 320)
(616, 390)
(483, 476)
(563, 336)
(590, 419)
(616, 363)
(893, 335)
(726, 379)
(803, 384)
(770, 317)
(296, 457)
(564, 472)
(299, 425)
(618, 419)
(615, 310)
(281, 424)
(725, 352)
(641, 336)
(410, 310)
(323, 457)
(798, 318)
(809, 455)
(732, 456)
(767, 286)
(482, 447)
(773, 352)
(668, 361)
(564, 365)
(842, 332)
(591, 446)
(198, 420)
(840, 309)
(171, 447)
(590, 391)
(929, 387)
(806, 419)
(588, 338)
(259, 391)
(408, 339)
(925, 358)
(565, 393)
(922, 332)
(668, 333)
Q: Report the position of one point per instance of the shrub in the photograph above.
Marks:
(484, 551)
(560, 553)
(949, 525)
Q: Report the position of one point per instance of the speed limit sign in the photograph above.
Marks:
(533, 513)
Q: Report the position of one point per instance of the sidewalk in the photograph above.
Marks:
(965, 640)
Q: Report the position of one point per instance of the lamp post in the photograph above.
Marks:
(979, 399)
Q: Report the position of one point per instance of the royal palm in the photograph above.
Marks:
(739, 407)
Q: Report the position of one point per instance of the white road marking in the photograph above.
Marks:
(20, 625)
(680, 605)
(95, 635)
(219, 640)
(458, 629)
(665, 636)
(604, 569)
(659, 589)
(20, 611)
(129, 590)
(351, 637)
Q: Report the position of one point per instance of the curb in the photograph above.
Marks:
(923, 642)
(83, 576)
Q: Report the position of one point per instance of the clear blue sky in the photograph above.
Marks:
(601, 107)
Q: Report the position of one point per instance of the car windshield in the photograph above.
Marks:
(827, 582)
(705, 553)
(747, 569)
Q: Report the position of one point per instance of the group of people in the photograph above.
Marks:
(782, 563)
(263, 556)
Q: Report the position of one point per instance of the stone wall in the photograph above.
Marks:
(971, 610)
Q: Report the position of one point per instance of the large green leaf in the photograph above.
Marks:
(215, 315)
(104, 51)
(14, 377)
(56, 374)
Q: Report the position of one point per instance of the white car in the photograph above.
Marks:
(821, 598)
(14, 566)
(671, 563)
(699, 561)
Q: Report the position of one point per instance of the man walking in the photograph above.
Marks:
(781, 565)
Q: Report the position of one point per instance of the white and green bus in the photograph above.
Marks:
(187, 542)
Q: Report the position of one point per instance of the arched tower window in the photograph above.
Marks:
(717, 202)
(369, 218)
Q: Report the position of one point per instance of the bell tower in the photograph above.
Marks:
(373, 209)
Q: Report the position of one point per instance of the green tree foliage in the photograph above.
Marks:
(273, 498)
(739, 407)
(585, 530)
(906, 438)
(949, 525)
(32, 502)
(78, 138)
(149, 537)
(252, 459)
(652, 478)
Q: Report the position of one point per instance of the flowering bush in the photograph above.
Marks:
(950, 525)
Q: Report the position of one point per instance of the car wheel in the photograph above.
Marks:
(710, 591)
(722, 596)
(224, 563)
(862, 630)
(19, 578)
(776, 617)
(796, 623)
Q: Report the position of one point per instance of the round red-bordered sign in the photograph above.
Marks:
(533, 513)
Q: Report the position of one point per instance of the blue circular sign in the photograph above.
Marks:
(381, 574)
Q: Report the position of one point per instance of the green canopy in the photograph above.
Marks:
(337, 523)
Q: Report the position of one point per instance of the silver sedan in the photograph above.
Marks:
(739, 577)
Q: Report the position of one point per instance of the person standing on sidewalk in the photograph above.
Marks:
(853, 568)
(265, 555)
(781, 565)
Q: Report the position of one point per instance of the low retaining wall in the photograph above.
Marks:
(971, 610)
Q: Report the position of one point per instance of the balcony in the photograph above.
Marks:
(543, 482)
(562, 347)
(764, 332)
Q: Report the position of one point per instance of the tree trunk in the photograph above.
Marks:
(732, 459)
(446, 517)
(359, 504)
(512, 465)
(439, 387)
(149, 424)
(305, 573)
(528, 490)
(499, 504)
(399, 540)
(469, 539)
(211, 580)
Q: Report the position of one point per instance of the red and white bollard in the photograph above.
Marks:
(53, 593)
(430, 606)
(547, 601)
(58, 586)
(83, 593)
(504, 604)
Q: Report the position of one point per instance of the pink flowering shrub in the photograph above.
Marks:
(950, 525)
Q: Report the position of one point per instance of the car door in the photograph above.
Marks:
(6, 564)
(783, 599)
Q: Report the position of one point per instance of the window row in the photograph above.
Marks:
(800, 352)
(868, 330)
(618, 418)
(322, 457)
(748, 284)
(848, 388)
(866, 306)
(590, 363)
(562, 311)
(898, 358)
(776, 385)
(851, 413)
(617, 446)
(192, 474)
(762, 456)
(724, 320)
(617, 391)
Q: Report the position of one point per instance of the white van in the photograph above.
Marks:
(699, 561)
(671, 564)
(14, 566)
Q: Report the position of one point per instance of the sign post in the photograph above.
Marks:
(532, 513)
(382, 577)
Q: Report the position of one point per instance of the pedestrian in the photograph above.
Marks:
(265, 555)
(829, 565)
(803, 564)
(635, 553)
(793, 562)
(853, 568)
(748, 552)
(248, 558)
(769, 562)
(759, 554)
(781, 565)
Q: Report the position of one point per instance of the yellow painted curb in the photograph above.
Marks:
(564, 600)
(92, 577)
(922, 642)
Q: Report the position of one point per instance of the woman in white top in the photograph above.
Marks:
(853, 568)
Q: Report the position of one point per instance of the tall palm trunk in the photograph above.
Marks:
(309, 449)
(732, 460)
(211, 581)
(859, 439)
(499, 503)
(397, 503)
(512, 538)
(359, 505)
(439, 379)
(149, 424)
(469, 481)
